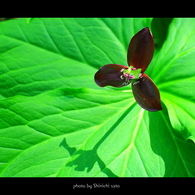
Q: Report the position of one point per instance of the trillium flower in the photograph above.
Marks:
(139, 56)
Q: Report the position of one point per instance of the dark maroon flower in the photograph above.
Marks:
(139, 55)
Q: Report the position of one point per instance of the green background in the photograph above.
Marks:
(55, 121)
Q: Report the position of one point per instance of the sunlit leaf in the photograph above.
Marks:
(55, 120)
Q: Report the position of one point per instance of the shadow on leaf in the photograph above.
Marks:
(170, 145)
(87, 158)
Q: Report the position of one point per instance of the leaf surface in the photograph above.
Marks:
(175, 77)
(54, 119)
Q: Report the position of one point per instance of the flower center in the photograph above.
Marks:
(129, 74)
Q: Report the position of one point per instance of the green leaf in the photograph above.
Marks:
(54, 119)
(175, 77)
(28, 20)
(159, 29)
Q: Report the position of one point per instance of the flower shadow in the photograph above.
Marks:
(87, 158)
(160, 135)
(169, 144)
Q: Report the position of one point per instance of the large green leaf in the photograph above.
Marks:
(175, 75)
(55, 121)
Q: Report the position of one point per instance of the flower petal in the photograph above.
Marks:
(141, 49)
(146, 93)
(110, 74)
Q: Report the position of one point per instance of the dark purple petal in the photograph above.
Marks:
(141, 49)
(110, 74)
(146, 93)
